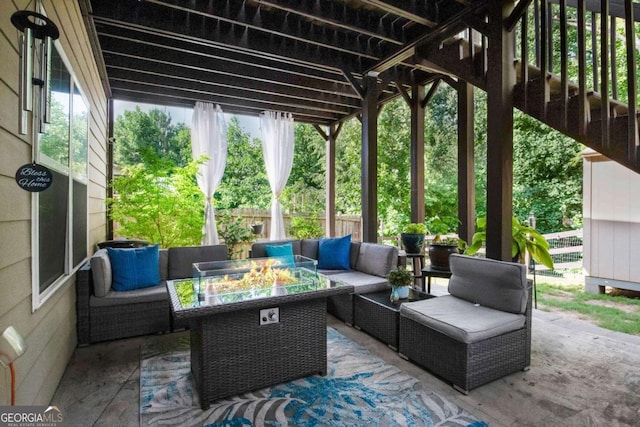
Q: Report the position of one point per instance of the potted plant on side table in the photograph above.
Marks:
(440, 248)
(412, 237)
(400, 280)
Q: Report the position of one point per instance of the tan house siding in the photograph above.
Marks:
(50, 331)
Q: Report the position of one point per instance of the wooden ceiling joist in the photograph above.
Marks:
(307, 58)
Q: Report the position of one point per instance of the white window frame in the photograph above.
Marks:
(38, 298)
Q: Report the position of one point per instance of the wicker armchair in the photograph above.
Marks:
(478, 333)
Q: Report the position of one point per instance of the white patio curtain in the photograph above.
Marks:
(209, 137)
(277, 148)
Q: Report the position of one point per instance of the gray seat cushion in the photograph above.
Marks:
(330, 272)
(376, 259)
(495, 284)
(113, 298)
(181, 259)
(462, 320)
(362, 282)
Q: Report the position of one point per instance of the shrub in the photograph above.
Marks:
(305, 228)
(158, 203)
(234, 233)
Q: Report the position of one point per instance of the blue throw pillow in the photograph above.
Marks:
(333, 253)
(283, 252)
(134, 268)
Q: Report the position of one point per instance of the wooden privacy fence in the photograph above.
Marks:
(345, 224)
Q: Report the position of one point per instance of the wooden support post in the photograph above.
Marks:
(545, 64)
(604, 73)
(583, 105)
(330, 184)
(632, 96)
(369, 159)
(500, 82)
(417, 153)
(330, 176)
(466, 169)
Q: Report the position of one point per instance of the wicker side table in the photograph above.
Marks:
(375, 314)
(428, 272)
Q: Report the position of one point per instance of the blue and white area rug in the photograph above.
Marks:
(360, 389)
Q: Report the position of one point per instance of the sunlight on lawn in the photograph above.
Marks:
(616, 313)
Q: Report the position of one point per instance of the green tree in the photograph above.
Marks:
(348, 200)
(305, 188)
(441, 164)
(547, 171)
(547, 176)
(158, 202)
(54, 143)
(394, 166)
(244, 183)
(138, 133)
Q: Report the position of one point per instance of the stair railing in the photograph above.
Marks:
(558, 31)
(580, 54)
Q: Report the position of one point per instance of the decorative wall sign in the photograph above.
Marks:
(34, 177)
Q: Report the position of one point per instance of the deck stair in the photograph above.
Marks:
(567, 103)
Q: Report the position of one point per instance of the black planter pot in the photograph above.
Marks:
(439, 256)
(412, 243)
(257, 228)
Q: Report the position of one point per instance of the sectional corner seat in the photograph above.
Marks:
(370, 263)
(105, 314)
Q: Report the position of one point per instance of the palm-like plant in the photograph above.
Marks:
(525, 239)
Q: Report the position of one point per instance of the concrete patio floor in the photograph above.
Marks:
(581, 375)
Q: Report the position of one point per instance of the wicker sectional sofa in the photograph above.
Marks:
(104, 314)
(369, 265)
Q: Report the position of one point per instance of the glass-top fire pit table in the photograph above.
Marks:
(254, 323)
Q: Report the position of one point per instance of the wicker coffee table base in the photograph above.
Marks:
(231, 353)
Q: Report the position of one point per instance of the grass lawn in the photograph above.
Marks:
(617, 313)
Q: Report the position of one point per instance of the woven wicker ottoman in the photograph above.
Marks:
(375, 314)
